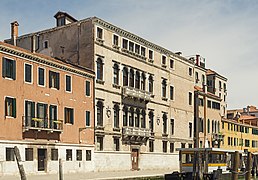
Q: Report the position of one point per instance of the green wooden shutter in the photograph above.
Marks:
(72, 116)
(32, 109)
(87, 118)
(4, 67)
(50, 82)
(14, 107)
(57, 80)
(38, 110)
(5, 102)
(14, 70)
(87, 88)
(50, 112)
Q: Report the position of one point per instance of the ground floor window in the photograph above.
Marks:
(54, 154)
(28, 154)
(9, 154)
(99, 143)
(79, 155)
(88, 155)
(69, 155)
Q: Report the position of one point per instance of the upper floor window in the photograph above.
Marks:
(28, 73)
(53, 79)
(225, 86)
(68, 83)
(150, 84)
(125, 116)
(87, 88)
(151, 54)
(143, 51)
(116, 74)
(131, 46)
(190, 98)
(203, 79)
(196, 77)
(41, 76)
(220, 87)
(45, 44)
(190, 129)
(143, 81)
(87, 118)
(131, 78)
(151, 121)
(137, 80)
(164, 59)
(10, 107)
(125, 43)
(171, 64)
(137, 48)
(99, 33)
(171, 93)
(164, 88)
(116, 116)
(125, 76)
(190, 71)
(115, 40)
(9, 68)
(99, 113)
(164, 117)
(69, 115)
(172, 124)
(99, 69)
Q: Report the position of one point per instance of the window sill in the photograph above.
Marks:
(10, 79)
(101, 41)
(116, 86)
(28, 82)
(9, 117)
(164, 135)
(69, 124)
(115, 47)
(99, 81)
(164, 66)
(116, 129)
(151, 60)
(54, 88)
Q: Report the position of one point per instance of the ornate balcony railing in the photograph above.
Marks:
(136, 93)
(42, 124)
(135, 131)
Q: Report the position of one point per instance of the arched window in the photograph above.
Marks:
(164, 88)
(143, 119)
(99, 113)
(164, 118)
(99, 69)
(137, 118)
(116, 116)
(131, 117)
(143, 81)
(151, 121)
(150, 84)
(131, 78)
(137, 80)
(125, 76)
(125, 116)
(116, 74)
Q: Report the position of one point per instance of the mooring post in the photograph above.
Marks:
(60, 169)
(248, 166)
(235, 166)
(20, 166)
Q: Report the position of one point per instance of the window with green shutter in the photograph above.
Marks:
(68, 83)
(9, 68)
(10, 107)
(41, 76)
(54, 79)
(87, 88)
(28, 73)
(69, 115)
(87, 118)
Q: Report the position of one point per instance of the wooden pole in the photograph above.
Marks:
(248, 166)
(60, 170)
(235, 166)
(20, 166)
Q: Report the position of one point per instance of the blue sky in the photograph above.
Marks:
(225, 32)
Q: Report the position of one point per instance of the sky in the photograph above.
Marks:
(224, 32)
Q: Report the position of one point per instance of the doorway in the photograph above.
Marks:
(42, 154)
(135, 159)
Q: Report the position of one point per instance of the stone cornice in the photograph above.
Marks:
(138, 39)
(23, 54)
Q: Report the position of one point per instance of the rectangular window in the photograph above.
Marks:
(182, 145)
(115, 40)
(171, 147)
(151, 54)
(172, 124)
(164, 143)
(42, 114)
(68, 83)
(190, 71)
(99, 33)
(54, 154)
(116, 144)
(9, 68)
(125, 43)
(171, 93)
(99, 143)
(53, 79)
(53, 116)
(190, 98)
(137, 48)
(131, 46)
(79, 155)
(87, 88)
(28, 73)
(209, 104)
(164, 59)
(171, 64)
(190, 129)
(87, 118)
(9, 154)
(28, 154)
(69, 154)
(151, 146)
(10, 107)
(143, 51)
(69, 115)
(45, 44)
(41, 76)
(88, 155)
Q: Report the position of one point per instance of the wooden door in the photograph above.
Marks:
(42, 159)
(134, 159)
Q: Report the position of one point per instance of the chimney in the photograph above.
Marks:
(197, 60)
(14, 32)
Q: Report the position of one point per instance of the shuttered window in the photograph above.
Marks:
(10, 107)
(9, 68)
(54, 80)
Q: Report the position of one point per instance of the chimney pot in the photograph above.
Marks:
(14, 32)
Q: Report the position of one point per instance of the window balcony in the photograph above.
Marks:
(31, 123)
(136, 132)
(136, 93)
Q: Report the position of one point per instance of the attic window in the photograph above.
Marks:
(61, 21)
(99, 33)
(45, 44)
